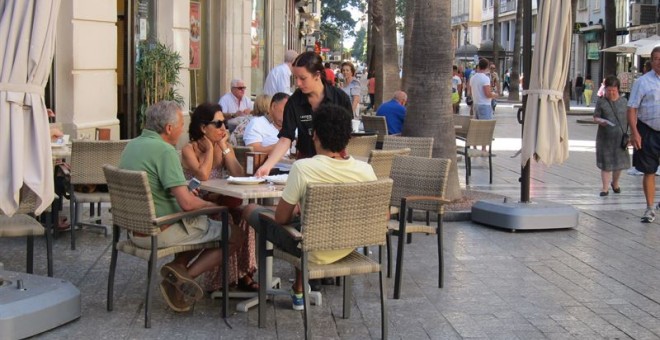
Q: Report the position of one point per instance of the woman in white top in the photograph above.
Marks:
(351, 86)
(261, 133)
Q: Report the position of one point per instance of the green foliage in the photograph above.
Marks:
(336, 17)
(156, 74)
(360, 45)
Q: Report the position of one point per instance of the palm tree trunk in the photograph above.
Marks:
(377, 57)
(609, 59)
(496, 36)
(391, 80)
(409, 21)
(514, 83)
(429, 110)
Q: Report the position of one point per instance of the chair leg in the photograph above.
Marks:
(73, 212)
(306, 297)
(225, 263)
(410, 220)
(388, 242)
(29, 266)
(49, 243)
(383, 308)
(490, 164)
(399, 258)
(261, 246)
(113, 265)
(468, 169)
(153, 259)
(441, 259)
(348, 288)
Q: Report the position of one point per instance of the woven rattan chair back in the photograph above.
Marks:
(132, 204)
(88, 157)
(345, 215)
(361, 146)
(419, 146)
(419, 176)
(381, 160)
(480, 132)
(377, 124)
(464, 122)
(27, 202)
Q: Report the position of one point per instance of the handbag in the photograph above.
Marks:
(468, 100)
(625, 137)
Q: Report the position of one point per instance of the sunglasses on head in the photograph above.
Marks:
(217, 123)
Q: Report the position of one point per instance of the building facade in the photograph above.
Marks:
(93, 80)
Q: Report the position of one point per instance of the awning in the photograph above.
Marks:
(596, 27)
(641, 47)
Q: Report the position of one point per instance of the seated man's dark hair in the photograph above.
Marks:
(332, 125)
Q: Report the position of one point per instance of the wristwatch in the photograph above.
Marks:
(226, 151)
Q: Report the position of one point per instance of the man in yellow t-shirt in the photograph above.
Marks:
(331, 126)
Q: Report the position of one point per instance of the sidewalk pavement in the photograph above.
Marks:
(600, 280)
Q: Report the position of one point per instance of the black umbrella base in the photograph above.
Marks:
(524, 216)
(32, 304)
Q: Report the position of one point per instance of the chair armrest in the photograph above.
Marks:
(290, 229)
(171, 218)
(440, 200)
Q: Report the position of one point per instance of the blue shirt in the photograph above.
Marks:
(645, 97)
(394, 114)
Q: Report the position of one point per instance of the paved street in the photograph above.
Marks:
(600, 280)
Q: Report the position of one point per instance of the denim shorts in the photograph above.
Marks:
(484, 111)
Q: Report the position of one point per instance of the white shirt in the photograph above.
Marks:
(455, 81)
(278, 80)
(260, 130)
(477, 83)
(231, 104)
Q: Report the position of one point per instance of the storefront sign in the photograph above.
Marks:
(592, 51)
(195, 35)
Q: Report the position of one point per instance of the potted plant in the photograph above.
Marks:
(156, 74)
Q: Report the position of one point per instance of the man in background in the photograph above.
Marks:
(235, 103)
(279, 78)
(394, 112)
(329, 74)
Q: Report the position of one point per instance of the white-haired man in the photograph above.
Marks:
(279, 78)
(235, 103)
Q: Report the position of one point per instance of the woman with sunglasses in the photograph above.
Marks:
(204, 157)
(312, 91)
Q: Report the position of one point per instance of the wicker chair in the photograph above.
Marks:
(419, 146)
(419, 183)
(376, 124)
(464, 122)
(330, 216)
(479, 134)
(87, 159)
(381, 160)
(23, 224)
(361, 146)
(133, 210)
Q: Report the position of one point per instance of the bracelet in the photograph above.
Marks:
(226, 151)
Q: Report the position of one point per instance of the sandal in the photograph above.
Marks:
(247, 284)
(63, 224)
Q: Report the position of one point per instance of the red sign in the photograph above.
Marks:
(325, 49)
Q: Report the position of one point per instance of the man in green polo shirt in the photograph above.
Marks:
(154, 153)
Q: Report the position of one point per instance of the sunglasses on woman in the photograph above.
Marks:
(217, 123)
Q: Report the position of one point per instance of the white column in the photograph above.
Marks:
(86, 67)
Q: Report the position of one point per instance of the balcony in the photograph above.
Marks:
(459, 19)
(507, 6)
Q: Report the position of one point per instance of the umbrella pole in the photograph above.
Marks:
(527, 69)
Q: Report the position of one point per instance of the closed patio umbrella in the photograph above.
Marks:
(545, 134)
(27, 31)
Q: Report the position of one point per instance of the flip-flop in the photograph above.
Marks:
(246, 283)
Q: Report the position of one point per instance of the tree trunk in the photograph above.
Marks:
(377, 57)
(409, 21)
(514, 83)
(370, 40)
(609, 59)
(429, 109)
(496, 37)
(569, 86)
(391, 80)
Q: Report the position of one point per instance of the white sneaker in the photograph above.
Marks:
(634, 172)
(649, 215)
